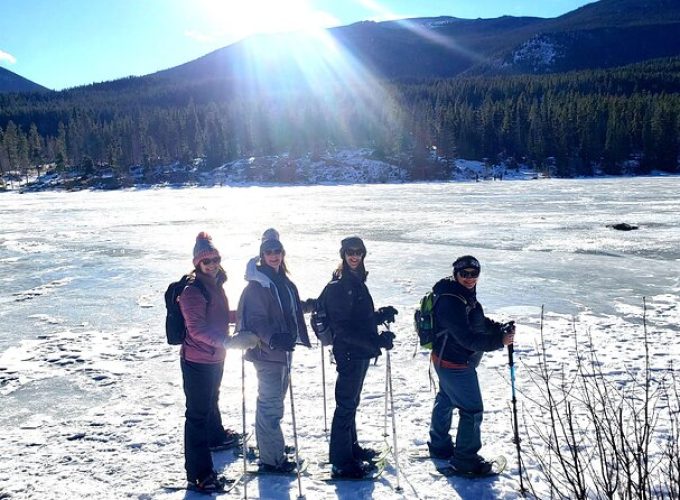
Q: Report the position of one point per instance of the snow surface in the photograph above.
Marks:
(92, 404)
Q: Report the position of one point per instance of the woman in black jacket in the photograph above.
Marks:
(353, 321)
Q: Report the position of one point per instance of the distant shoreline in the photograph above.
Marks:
(348, 167)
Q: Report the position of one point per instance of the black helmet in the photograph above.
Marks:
(466, 262)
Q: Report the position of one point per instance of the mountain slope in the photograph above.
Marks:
(602, 34)
(11, 82)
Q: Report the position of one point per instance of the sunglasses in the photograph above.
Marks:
(469, 274)
(354, 252)
(275, 251)
(214, 260)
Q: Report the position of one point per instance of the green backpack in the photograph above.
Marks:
(423, 318)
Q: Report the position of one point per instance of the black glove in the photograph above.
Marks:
(508, 327)
(308, 305)
(386, 340)
(386, 314)
(282, 342)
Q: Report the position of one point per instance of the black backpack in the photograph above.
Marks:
(175, 328)
(320, 320)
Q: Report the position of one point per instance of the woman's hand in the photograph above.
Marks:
(242, 340)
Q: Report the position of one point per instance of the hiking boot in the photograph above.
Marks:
(286, 467)
(229, 439)
(352, 470)
(476, 465)
(365, 454)
(445, 453)
(210, 484)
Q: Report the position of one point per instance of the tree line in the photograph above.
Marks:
(571, 123)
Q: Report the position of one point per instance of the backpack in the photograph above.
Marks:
(175, 328)
(423, 318)
(320, 321)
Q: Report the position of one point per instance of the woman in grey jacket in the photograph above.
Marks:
(270, 307)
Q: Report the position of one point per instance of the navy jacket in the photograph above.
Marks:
(464, 332)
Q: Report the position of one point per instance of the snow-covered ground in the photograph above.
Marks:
(91, 396)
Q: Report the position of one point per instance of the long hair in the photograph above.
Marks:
(344, 268)
(282, 268)
(221, 273)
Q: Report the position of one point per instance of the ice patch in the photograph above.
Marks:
(41, 290)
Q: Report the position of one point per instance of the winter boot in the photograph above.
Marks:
(352, 470)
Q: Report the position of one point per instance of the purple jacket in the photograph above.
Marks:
(207, 321)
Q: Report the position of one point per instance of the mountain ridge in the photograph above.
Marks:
(12, 82)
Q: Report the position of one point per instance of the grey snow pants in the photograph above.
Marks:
(272, 384)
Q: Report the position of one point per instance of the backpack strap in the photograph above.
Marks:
(193, 281)
(445, 331)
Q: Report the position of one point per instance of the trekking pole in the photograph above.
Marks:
(323, 383)
(387, 376)
(292, 414)
(516, 439)
(244, 444)
(394, 422)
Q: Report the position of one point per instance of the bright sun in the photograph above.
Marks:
(236, 19)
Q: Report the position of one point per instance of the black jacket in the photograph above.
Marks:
(464, 332)
(352, 319)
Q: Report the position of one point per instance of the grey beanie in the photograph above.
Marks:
(270, 241)
(270, 234)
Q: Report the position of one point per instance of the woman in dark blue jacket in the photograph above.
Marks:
(464, 334)
(356, 341)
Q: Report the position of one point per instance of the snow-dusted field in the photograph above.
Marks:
(91, 394)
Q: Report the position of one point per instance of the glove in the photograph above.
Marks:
(508, 332)
(386, 314)
(508, 327)
(242, 340)
(282, 342)
(308, 305)
(386, 340)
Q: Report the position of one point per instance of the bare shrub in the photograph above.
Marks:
(593, 436)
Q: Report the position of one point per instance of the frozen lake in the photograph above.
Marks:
(91, 393)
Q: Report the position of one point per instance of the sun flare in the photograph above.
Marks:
(242, 18)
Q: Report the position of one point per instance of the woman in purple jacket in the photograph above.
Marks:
(205, 308)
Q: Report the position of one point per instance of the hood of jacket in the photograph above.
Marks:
(254, 274)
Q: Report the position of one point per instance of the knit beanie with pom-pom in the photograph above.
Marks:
(204, 248)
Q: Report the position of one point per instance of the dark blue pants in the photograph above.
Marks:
(203, 424)
(458, 389)
(351, 374)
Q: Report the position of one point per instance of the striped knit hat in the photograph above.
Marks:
(204, 248)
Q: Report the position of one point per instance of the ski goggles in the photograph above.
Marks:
(214, 260)
(473, 273)
(273, 251)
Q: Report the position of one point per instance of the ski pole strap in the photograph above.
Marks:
(448, 364)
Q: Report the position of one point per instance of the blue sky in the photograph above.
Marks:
(66, 43)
